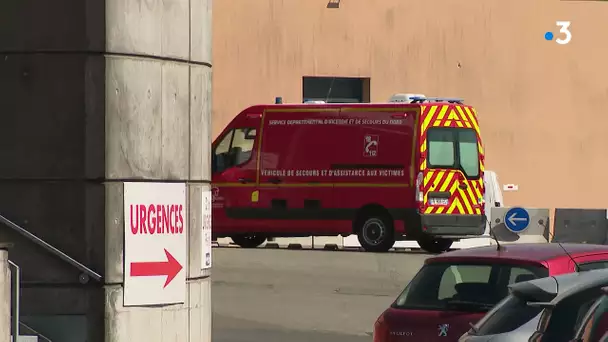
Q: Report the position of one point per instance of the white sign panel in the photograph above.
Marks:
(206, 236)
(155, 243)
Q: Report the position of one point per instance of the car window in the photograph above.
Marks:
(519, 274)
(453, 148)
(595, 324)
(508, 315)
(457, 274)
(234, 149)
(459, 286)
(568, 316)
(441, 147)
(586, 331)
(594, 265)
(586, 326)
(600, 328)
(242, 145)
(224, 145)
(469, 152)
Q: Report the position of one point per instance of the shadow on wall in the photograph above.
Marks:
(580, 226)
(503, 234)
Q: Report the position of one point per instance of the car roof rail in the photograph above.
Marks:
(437, 99)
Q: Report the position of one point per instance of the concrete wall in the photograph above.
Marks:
(542, 105)
(52, 129)
(94, 93)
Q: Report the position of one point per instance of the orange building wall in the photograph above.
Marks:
(543, 107)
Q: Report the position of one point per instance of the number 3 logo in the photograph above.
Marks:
(564, 29)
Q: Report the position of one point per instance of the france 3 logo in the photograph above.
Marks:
(564, 36)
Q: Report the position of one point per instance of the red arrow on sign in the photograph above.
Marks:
(169, 268)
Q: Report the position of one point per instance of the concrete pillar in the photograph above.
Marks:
(157, 127)
(5, 297)
(93, 94)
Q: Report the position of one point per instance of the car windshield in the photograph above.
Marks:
(454, 148)
(234, 149)
(568, 315)
(466, 286)
(509, 314)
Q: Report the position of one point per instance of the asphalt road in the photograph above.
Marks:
(296, 296)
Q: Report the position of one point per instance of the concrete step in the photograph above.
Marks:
(27, 338)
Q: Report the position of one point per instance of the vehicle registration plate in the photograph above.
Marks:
(438, 201)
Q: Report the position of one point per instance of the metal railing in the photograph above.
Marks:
(86, 272)
(16, 324)
(32, 331)
(15, 296)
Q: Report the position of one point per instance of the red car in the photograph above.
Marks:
(384, 172)
(455, 289)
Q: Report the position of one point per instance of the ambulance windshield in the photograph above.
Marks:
(453, 148)
(234, 149)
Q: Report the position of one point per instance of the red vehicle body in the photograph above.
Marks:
(382, 171)
(409, 320)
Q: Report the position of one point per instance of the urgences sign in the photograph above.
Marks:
(155, 243)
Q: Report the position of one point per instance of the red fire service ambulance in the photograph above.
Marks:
(409, 169)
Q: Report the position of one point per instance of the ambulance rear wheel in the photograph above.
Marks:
(435, 245)
(376, 233)
(248, 240)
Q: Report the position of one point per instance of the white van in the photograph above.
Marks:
(493, 194)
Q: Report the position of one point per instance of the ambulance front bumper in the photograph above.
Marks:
(451, 225)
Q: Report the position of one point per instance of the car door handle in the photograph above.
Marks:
(274, 180)
(463, 186)
(245, 180)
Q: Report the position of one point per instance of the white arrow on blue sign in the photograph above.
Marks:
(517, 219)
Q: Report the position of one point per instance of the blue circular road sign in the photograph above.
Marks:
(517, 219)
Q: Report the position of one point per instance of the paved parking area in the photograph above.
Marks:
(303, 295)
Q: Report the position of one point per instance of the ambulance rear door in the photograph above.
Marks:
(452, 168)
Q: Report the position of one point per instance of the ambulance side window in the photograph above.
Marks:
(242, 145)
(234, 149)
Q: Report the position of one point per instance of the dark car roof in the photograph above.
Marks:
(524, 251)
(566, 284)
(585, 280)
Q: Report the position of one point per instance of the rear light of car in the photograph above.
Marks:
(419, 189)
(380, 330)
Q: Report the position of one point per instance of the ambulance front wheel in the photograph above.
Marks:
(248, 240)
(376, 233)
(435, 245)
